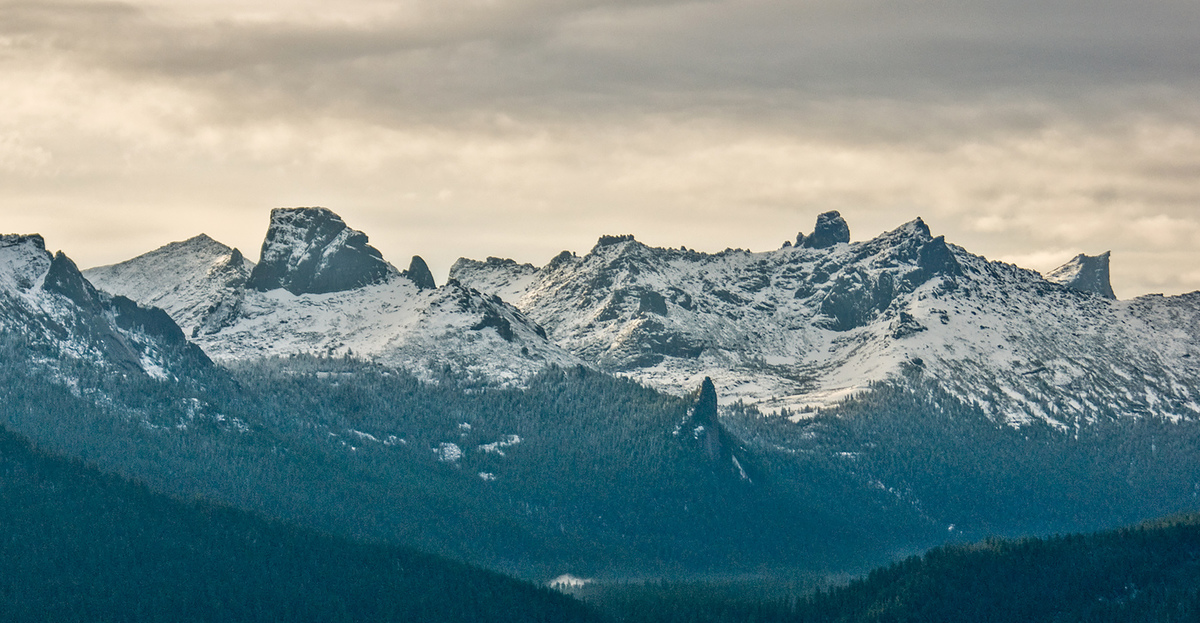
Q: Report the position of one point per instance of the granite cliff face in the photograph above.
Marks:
(312, 251)
(1086, 273)
(702, 429)
(830, 229)
(418, 272)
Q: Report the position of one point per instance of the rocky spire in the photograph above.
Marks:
(418, 272)
(236, 259)
(831, 229)
(311, 250)
(64, 278)
(706, 426)
(718, 446)
(1088, 273)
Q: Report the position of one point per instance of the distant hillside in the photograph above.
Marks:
(1145, 573)
(82, 546)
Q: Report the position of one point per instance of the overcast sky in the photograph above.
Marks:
(1024, 130)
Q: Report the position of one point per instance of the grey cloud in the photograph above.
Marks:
(539, 57)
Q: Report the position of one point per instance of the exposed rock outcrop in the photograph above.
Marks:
(1087, 273)
(418, 271)
(704, 428)
(54, 309)
(312, 251)
(831, 229)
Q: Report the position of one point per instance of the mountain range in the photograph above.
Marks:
(633, 411)
(790, 331)
(320, 288)
(812, 323)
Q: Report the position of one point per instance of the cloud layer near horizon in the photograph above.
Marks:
(1025, 131)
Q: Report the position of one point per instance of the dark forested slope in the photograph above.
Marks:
(1146, 573)
(78, 545)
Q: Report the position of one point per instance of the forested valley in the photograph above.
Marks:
(577, 472)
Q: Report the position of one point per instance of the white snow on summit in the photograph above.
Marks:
(802, 328)
(197, 281)
(47, 303)
(790, 330)
(202, 284)
(394, 323)
(23, 264)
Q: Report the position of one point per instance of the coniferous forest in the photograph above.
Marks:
(79, 545)
(1143, 573)
(304, 480)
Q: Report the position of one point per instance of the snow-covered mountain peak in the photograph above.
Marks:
(915, 228)
(182, 257)
(398, 319)
(197, 281)
(200, 243)
(672, 316)
(23, 261)
(29, 271)
(1087, 273)
(790, 329)
(806, 326)
(312, 250)
(47, 304)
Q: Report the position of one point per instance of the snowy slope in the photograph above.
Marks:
(394, 319)
(54, 317)
(805, 326)
(199, 281)
(394, 323)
